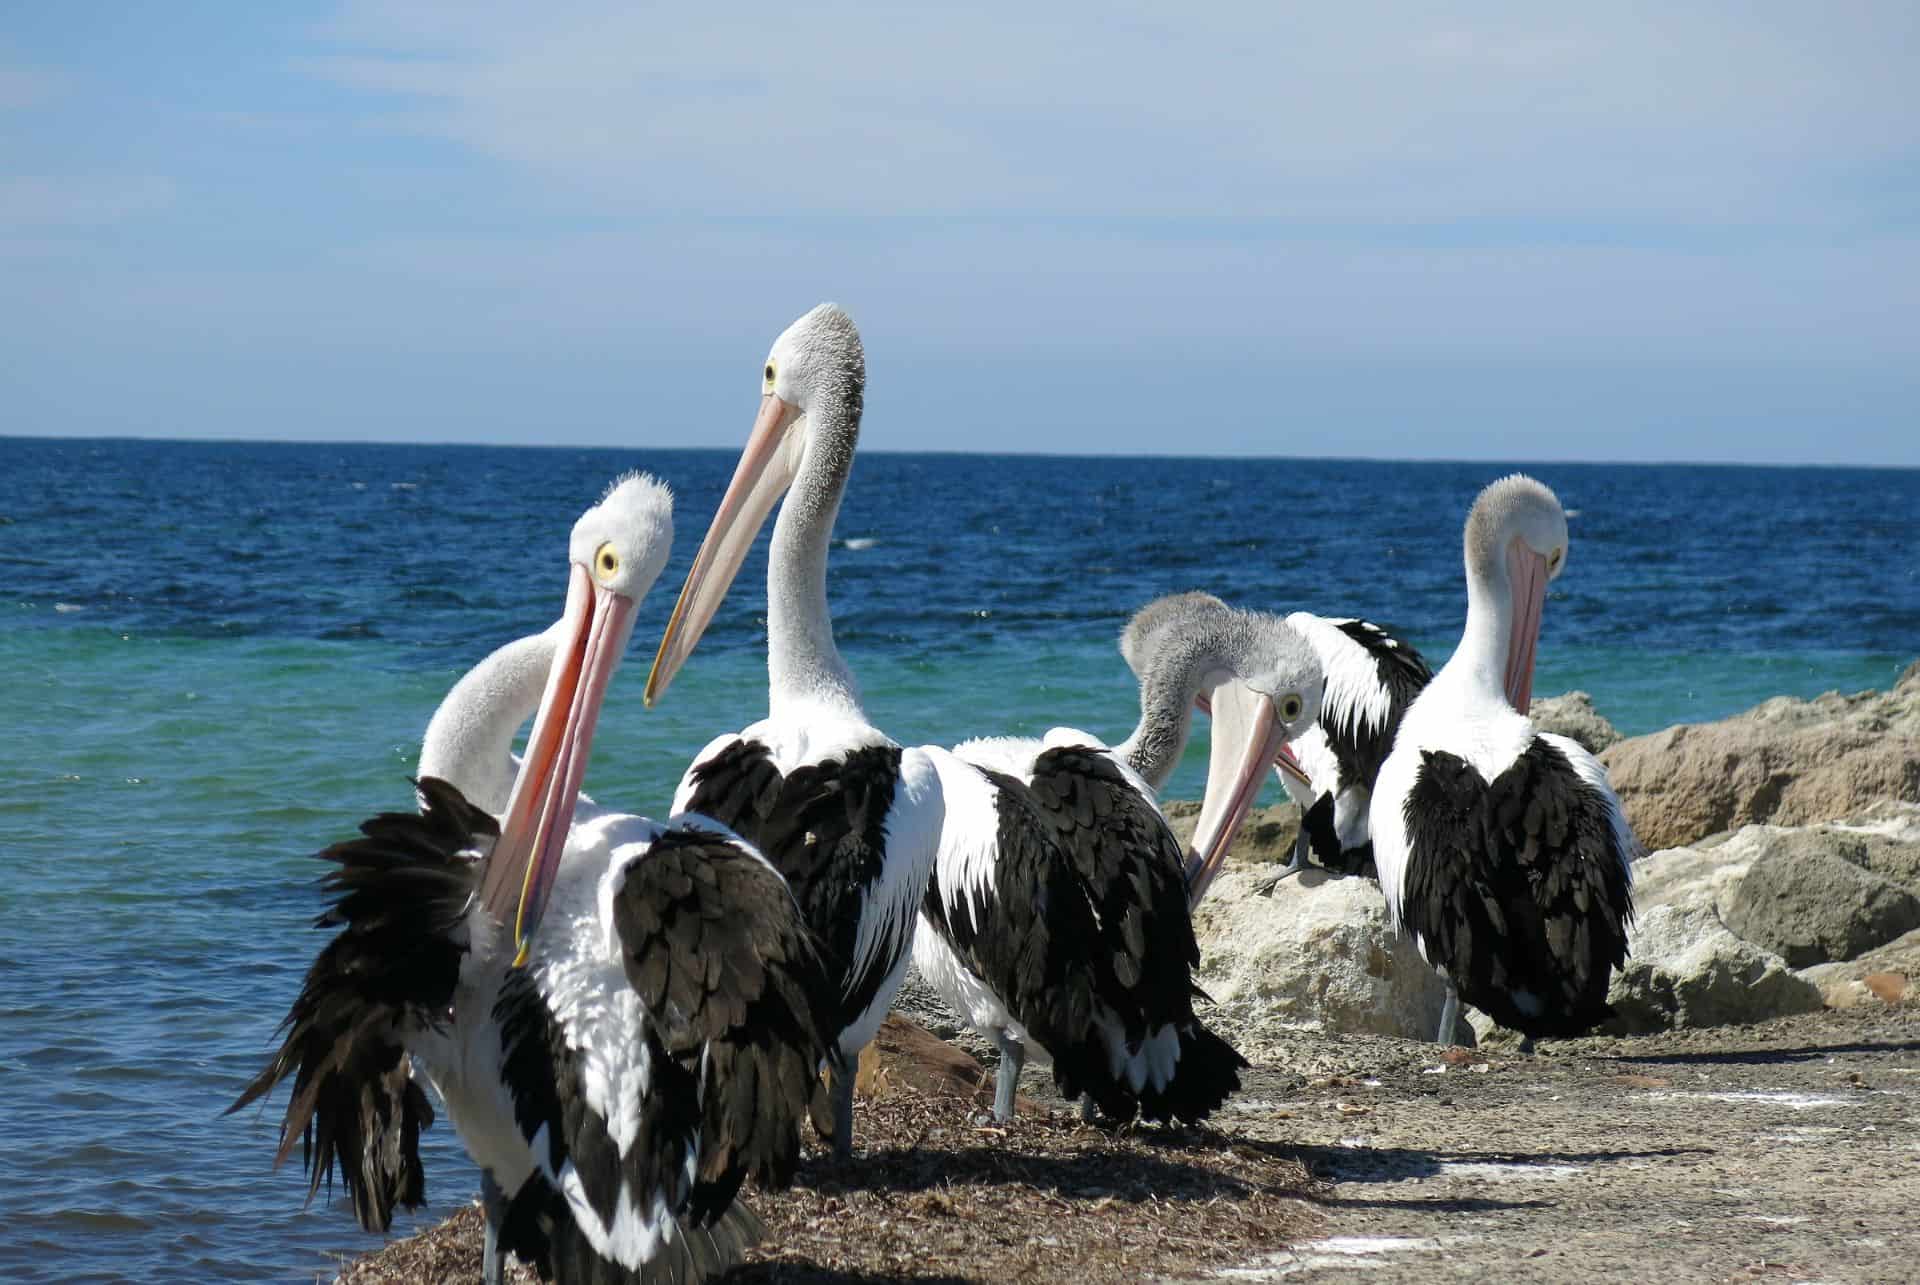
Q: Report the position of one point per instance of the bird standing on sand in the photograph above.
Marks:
(616, 1012)
(1057, 919)
(849, 817)
(1503, 850)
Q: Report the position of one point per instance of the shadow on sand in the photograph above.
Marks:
(1767, 1057)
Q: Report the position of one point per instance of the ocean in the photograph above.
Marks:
(220, 657)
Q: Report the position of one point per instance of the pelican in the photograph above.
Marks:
(615, 1012)
(849, 817)
(1371, 679)
(1057, 919)
(1501, 849)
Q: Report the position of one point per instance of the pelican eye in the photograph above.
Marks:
(770, 376)
(606, 563)
(1290, 707)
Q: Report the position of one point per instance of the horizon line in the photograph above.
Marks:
(948, 452)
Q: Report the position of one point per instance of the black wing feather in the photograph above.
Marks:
(715, 946)
(823, 826)
(400, 896)
(1094, 919)
(1518, 888)
(1359, 746)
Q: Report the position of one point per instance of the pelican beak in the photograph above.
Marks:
(1247, 737)
(1286, 764)
(763, 475)
(533, 834)
(1527, 572)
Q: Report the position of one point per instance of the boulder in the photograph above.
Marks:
(1888, 975)
(1265, 837)
(1688, 782)
(1317, 951)
(1885, 839)
(1686, 969)
(1574, 716)
(1802, 900)
(1785, 761)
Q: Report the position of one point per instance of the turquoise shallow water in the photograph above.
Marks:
(219, 658)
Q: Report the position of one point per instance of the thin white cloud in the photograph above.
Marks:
(1710, 112)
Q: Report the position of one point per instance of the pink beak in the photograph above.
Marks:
(1527, 571)
(764, 473)
(1247, 736)
(533, 833)
(1285, 762)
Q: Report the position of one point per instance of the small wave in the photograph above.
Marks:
(1573, 513)
(64, 607)
(405, 486)
(862, 542)
(358, 486)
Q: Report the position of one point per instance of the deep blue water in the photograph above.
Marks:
(219, 657)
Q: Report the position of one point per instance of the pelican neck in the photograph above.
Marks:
(804, 666)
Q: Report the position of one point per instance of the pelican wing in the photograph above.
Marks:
(1118, 844)
(823, 825)
(1365, 701)
(1518, 888)
(400, 896)
(1022, 920)
(714, 944)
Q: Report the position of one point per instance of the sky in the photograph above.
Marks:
(1470, 231)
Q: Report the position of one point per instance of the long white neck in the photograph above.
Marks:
(470, 740)
(1479, 664)
(804, 667)
(1173, 675)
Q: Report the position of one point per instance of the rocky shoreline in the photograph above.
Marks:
(1781, 886)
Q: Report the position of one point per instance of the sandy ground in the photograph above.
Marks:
(1788, 1151)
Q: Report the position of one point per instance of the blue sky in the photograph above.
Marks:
(1469, 231)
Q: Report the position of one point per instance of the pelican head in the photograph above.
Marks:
(1178, 613)
(1266, 697)
(1148, 627)
(811, 390)
(1516, 541)
(616, 552)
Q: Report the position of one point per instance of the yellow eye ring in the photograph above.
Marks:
(606, 563)
(770, 374)
(1290, 707)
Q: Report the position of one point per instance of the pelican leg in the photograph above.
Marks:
(1526, 1044)
(840, 1083)
(493, 1203)
(1013, 1056)
(1300, 849)
(1089, 1113)
(1449, 1016)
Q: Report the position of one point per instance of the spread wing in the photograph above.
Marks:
(400, 895)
